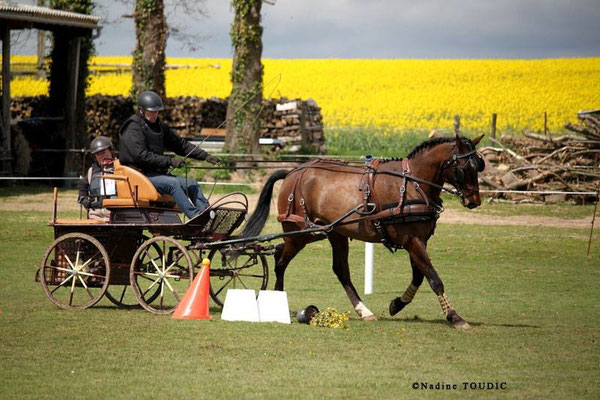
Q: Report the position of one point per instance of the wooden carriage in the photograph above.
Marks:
(146, 246)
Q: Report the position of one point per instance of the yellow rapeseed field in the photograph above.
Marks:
(394, 95)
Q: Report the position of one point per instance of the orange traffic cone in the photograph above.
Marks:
(194, 304)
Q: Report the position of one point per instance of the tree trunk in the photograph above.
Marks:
(244, 106)
(148, 72)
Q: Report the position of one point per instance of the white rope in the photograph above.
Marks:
(45, 178)
(533, 192)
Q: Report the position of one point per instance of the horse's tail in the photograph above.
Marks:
(258, 220)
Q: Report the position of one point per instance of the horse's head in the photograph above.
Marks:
(461, 170)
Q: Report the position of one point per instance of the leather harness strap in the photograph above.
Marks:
(371, 210)
(401, 210)
(367, 186)
(289, 215)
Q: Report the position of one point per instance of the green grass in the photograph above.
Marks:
(529, 293)
(379, 142)
(558, 210)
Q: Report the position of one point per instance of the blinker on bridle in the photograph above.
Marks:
(474, 160)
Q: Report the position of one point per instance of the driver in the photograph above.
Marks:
(143, 139)
(92, 188)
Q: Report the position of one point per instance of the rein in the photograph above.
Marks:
(402, 174)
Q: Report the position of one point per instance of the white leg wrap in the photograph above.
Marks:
(362, 310)
(445, 303)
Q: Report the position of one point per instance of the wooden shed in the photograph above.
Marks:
(20, 16)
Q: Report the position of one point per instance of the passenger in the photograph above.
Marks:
(142, 140)
(92, 188)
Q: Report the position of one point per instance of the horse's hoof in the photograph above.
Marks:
(396, 306)
(371, 317)
(461, 325)
(456, 321)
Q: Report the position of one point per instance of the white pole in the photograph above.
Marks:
(369, 255)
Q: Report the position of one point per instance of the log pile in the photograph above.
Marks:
(298, 124)
(565, 163)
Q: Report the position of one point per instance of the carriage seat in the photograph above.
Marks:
(134, 189)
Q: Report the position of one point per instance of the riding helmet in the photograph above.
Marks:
(99, 144)
(150, 101)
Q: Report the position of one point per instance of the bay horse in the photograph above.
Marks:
(395, 202)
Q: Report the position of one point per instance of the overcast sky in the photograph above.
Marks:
(379, 29)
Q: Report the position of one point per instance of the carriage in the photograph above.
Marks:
(145, 254)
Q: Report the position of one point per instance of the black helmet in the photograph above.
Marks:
(150, 101)
(99, 144)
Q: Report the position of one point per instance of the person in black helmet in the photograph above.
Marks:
(143, 138)
(92, 188)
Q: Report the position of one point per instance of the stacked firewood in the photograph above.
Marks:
(538, 162)
(29, 107)
(105, 114)
(296, 123)
(188, 115)
(185, 115)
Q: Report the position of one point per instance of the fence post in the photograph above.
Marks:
(494, 118)
(457, 124)
(369, 256)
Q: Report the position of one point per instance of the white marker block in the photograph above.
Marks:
(240, 305)
(273, 306)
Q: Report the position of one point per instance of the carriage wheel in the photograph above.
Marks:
(236, 269)
(163, 263)
(75, 271)
(120, 296)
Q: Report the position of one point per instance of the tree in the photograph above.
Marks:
(245, 101)
(148, 70)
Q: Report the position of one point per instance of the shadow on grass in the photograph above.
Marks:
(439, 321)
(213, 310)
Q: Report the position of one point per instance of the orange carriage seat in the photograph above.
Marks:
(135, 190)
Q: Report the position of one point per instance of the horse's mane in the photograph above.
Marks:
(434, 142)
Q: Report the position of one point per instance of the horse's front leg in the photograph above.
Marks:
(341, 269)
(418, 252)
(400, 302)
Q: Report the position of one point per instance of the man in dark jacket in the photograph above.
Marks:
(92, 188)
(143, 140)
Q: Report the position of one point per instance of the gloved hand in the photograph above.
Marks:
(87, 202)
(214, 160)
(177, 162)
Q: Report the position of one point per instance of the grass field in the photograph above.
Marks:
(529, 293)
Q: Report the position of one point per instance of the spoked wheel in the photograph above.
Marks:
(122, 297)
(160, 263)
(75, 271)
(236, 269)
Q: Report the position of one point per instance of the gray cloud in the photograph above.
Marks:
(386, 29)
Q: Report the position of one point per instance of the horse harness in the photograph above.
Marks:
(379, 215)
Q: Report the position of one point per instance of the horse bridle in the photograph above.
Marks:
(474, 161)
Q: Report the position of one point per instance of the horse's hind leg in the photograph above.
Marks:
(417, 250)
(400, 302)
(341, 269)
(284, 253)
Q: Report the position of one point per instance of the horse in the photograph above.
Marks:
(391, 201)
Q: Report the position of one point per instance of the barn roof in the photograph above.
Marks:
(19, 16)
